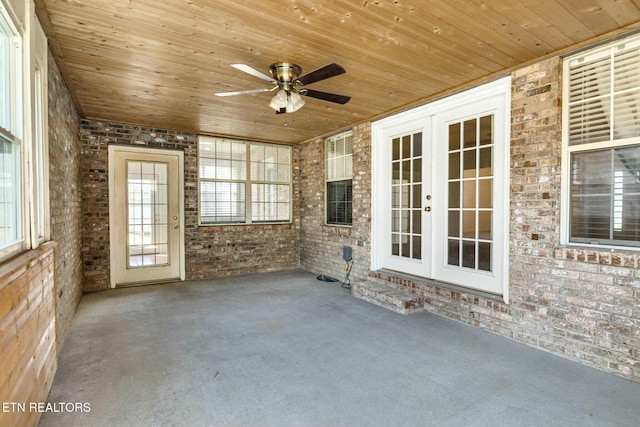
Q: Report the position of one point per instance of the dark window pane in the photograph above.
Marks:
(406, 147)
(469, 163)
(453, 252)
(417, 247)
(454, 223)
(486, 130)
(395, 149)
(470, 133)
(454, 194)
(417, 144)
(454, 136)
(469, 254)
(454, 165)
(417, 221)
(339, 202)
(417, 196)
(417, 170)
(484, 256)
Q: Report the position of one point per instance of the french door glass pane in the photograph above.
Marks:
(148, 222)
(470, 193)
(406, 203)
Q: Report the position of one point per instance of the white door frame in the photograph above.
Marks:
(498, 92)
(115, 220)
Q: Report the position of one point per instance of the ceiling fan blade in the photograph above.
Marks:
(255, 73)
(325, 72)
(241, 92)
(331, 97)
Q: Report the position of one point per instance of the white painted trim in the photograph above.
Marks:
(564, 159)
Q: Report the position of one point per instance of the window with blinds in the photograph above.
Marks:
(602, 144)
(339, 175)
(243, 182)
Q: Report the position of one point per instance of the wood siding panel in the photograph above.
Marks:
(27, 332)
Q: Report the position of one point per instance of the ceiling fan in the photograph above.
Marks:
(285, 77)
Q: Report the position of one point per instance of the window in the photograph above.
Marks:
(602, 145)
(11, 203)
(339, 175)
(24, 194)
(244, 182)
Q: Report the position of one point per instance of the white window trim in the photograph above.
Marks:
(567, 151)
(248, 182)
(38, 177)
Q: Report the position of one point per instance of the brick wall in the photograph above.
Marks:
(65, 202)
(579, 303)
(211, 251)
(321, 245)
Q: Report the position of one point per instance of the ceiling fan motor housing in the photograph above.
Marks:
(285, 73)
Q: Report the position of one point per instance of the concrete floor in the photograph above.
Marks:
(284, 349)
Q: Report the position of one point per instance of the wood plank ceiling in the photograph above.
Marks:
(158, 62)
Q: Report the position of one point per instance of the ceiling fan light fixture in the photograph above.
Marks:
(295, 102)
(279, 100)
(286, 101)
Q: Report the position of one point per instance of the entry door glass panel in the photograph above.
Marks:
(148, 225)
(406, 190)
(470, 184)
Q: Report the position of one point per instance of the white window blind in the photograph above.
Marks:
(604, 95)
(339, 156)
(603, 145)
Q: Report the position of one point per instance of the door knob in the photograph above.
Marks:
(175, 226)
(427, 208)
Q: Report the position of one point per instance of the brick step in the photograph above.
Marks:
(385, 295)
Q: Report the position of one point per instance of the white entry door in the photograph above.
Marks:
(146, 215)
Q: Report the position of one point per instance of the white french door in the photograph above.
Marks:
(406, 241)
(440, 190)
(146, 215)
